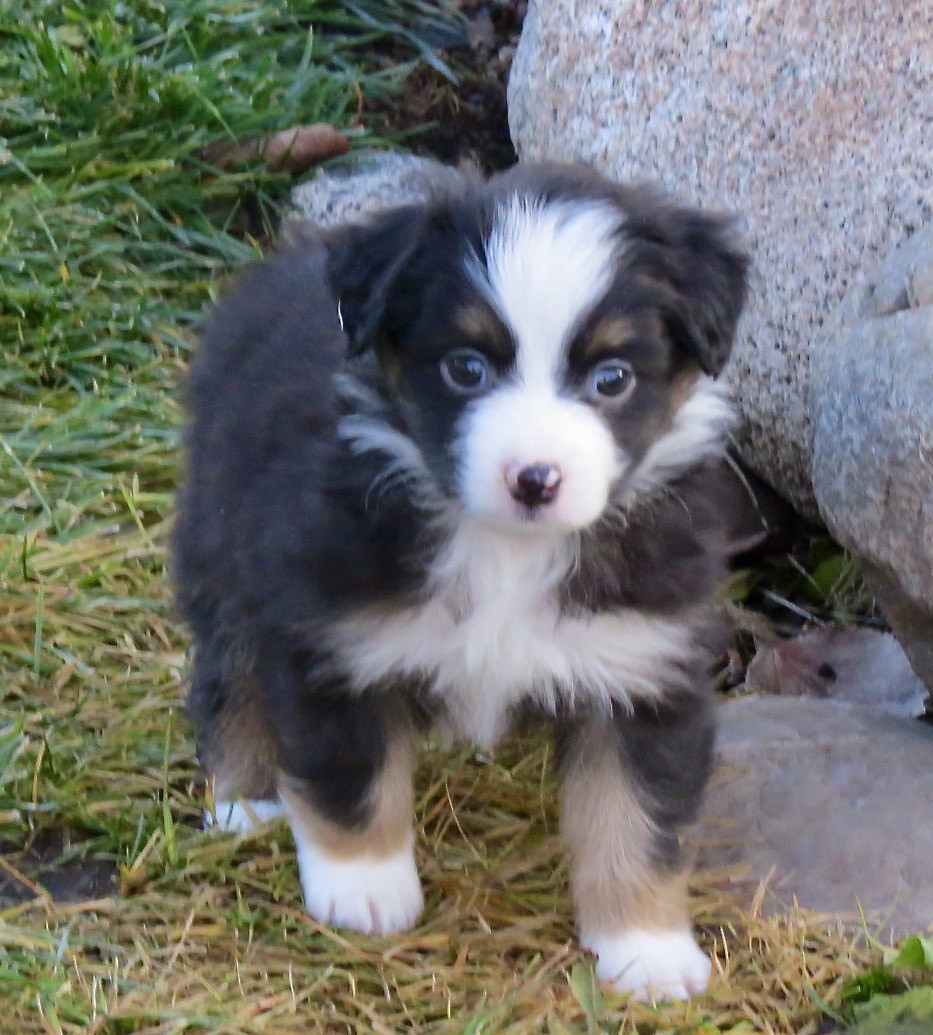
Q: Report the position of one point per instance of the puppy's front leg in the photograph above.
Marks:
(346, 783)
(630, 783)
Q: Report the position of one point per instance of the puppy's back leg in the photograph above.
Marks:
(630, 782)
(235, 748)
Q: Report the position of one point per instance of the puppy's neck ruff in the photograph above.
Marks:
(490, 633)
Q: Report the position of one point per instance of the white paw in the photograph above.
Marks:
(242, 816)
(651, 965)
(375, 895)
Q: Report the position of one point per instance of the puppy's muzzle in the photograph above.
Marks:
(533, 485)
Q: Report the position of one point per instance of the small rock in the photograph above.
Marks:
(857, 665)
(832, 803)
(373, 183)
(505, 55)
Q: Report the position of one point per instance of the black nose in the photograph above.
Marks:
(535, 484)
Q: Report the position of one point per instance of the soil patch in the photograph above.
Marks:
(54, 865)
(464, 121)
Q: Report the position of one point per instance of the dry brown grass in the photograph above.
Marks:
(206, 932)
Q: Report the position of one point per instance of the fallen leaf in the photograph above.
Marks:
(913, 952)
(908, 1014)
(853, 664)
(293, 150)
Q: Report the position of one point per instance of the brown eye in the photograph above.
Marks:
(613, 379)
(466, 371)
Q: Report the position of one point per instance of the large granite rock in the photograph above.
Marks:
(833, 802)
(872, 414)
(812, 121)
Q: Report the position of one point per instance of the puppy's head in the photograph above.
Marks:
(548, 341)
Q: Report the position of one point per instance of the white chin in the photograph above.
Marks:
(523, 522)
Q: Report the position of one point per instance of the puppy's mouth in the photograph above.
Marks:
(508, 517)
(512, 517)
(537, 519)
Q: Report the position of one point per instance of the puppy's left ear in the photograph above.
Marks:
(365, 264)
(704, 271)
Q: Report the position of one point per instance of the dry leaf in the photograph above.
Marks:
(854, 664)
(295, 150)
(292, 150)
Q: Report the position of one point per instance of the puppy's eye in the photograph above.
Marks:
(613, 379)
(466, 371)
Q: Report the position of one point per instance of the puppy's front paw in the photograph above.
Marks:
(376, 895)
(242, 816)
(651, 965)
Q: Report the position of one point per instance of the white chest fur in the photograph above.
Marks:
(489, 634)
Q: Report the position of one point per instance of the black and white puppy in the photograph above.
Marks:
(461, 464)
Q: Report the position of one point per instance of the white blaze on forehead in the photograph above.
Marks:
(547, 265)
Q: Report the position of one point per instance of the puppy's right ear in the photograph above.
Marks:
(364, 266)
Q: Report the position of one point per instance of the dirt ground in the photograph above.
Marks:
(464, 121)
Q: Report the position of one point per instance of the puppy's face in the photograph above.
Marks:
(545, 354)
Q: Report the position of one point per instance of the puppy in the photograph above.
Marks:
(456, 465)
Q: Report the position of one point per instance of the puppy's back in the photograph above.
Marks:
(262, 408)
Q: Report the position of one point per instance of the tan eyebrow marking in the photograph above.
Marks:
(612, 334)
(609, 335)
(478, 322)
(482, 327)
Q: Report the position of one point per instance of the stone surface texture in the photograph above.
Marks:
(872, 414)
(364, 186)
(811, 121)
(832, 802)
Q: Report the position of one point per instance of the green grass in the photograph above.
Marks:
(114, 235)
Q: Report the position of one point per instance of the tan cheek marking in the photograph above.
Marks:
(390, 808)
(616, 884)
(391, 366)
(682, 386)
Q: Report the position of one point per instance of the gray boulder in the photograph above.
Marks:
(831, 802)
(872, 414)
(812, 121)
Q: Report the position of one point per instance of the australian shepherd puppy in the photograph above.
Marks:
(457, 465)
